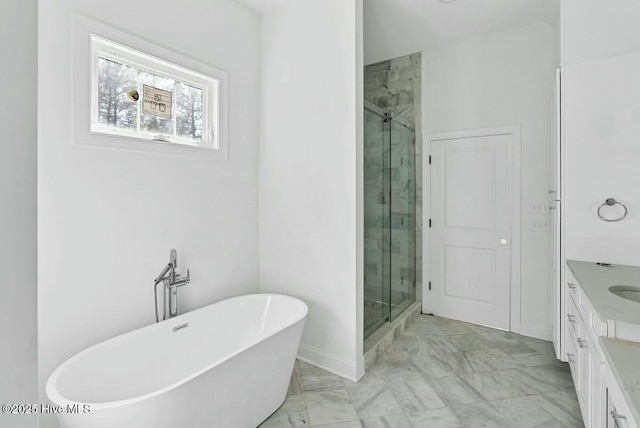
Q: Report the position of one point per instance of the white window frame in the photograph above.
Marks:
(93, 40)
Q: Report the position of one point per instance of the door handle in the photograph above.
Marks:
(617, 418)
(504, 241)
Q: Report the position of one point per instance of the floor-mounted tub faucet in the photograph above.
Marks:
(171, 280)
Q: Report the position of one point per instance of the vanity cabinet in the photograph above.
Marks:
(588, 350)
(584, 354)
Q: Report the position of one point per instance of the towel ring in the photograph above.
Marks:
(609, 203)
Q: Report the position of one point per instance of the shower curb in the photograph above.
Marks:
(379, 342)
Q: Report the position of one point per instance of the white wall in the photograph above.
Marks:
(401, 27)
(359, 186)
(308, 173)
(108, 218)
(18, 50)
(596, 28)
(502, 79)
(601, 109)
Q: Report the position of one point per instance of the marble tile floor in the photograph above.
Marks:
(440, 373)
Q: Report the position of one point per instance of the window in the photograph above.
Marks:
(140, 96)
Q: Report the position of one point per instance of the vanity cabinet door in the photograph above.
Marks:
(585, 377)
(615, 417)
(572, 358)
(598, 390)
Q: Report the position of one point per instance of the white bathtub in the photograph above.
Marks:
(230, 368)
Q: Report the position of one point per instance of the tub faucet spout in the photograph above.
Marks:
(178, 281)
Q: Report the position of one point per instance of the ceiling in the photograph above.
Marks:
(394, 28)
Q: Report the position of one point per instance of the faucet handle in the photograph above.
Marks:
(179, 275)
(178, 281)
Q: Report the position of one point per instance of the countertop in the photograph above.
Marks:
(595, 281)
(623, 358)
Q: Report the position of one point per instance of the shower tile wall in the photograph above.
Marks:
(396, 85)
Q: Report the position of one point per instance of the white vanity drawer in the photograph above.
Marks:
(585, 310)
(572, 315)
(582, 304)
(572, 287)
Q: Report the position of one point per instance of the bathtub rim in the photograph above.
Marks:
(56, 397)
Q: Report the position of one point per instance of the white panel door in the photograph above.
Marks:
(471, 229)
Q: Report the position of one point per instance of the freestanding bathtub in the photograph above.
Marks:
(226, 365)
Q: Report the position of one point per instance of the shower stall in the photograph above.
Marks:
(389, 216)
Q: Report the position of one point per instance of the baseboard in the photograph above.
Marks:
(536, 331)
(350, 370)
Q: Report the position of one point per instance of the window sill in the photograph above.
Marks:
(145, 145)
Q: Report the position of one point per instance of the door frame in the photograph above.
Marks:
(515, 132)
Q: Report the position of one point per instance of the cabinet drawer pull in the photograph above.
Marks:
(617, 418)
(571, 318)
(570, 357)
(571, 285)
(582, 343)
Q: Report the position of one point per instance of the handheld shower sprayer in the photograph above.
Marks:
(173, 261)
(173, 258)
(163, 273)
(157, 281)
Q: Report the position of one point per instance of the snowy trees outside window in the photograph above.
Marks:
(137, 95)
(117, 109)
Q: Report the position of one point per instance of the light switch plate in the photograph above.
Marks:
(539, 207)
(539, 223)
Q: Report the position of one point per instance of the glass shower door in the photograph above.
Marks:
(389, 216)
(376, 220)
(402, 228)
